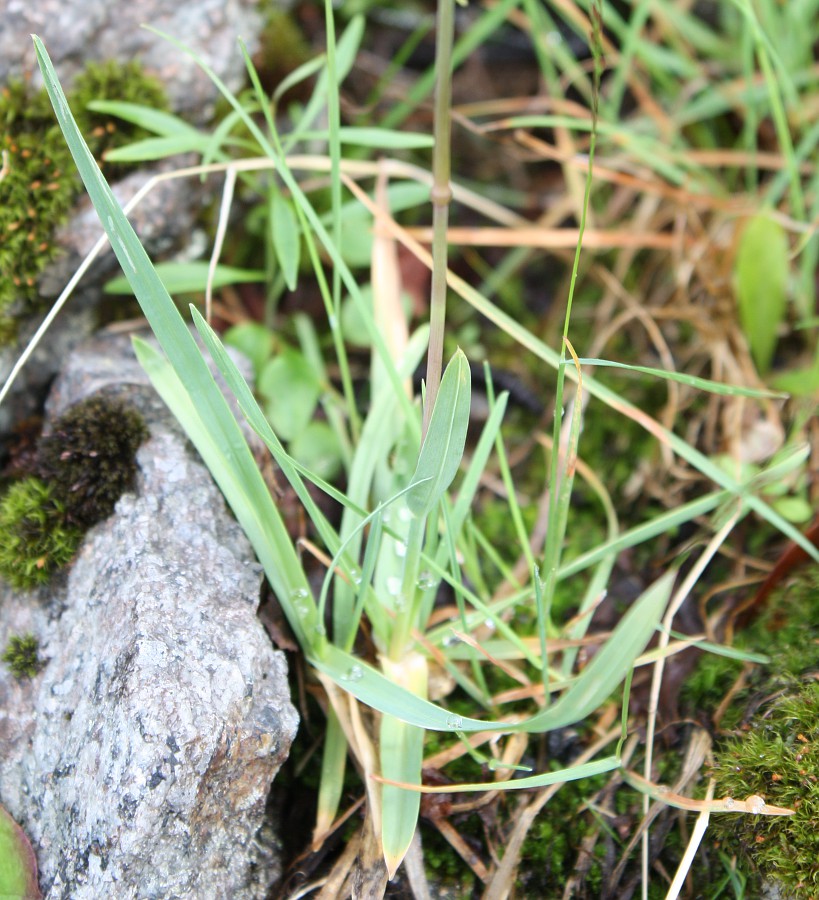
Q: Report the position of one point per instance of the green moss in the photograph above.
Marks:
(771, 748)
(35, 196)
(787, 631)
(21, 656)
(777, 757)
(40, 183)
(36, 539)
(88, 458)
(112, 80)
(283, 48)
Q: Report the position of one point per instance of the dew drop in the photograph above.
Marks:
(729, 803)
(756, 804)
(393, 585)
(425, 581)
(454, 722)
(400, 549)
(355, 673)
(404, 514)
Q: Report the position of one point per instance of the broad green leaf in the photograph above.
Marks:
(189, 278)
(286, 238)
(761, 277)
(18, 865)
(794, 509)
(443, 447)
(291, 391)
(253, 340)
(316, 448)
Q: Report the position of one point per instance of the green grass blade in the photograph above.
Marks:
(596, 683)
(189, 278)
(161, 123)
(701, 384)
(248, 497)
(572, 773)
(443, 446)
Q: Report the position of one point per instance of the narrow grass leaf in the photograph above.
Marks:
(189, 278)
(595, 684)
(380, 138)
(299, 74)
(443, 447)
(152, 149)
(249, 498)
(401, 748)
(162, 123)
(572, 773)
(701, 384)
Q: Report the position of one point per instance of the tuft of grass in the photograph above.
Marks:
(409, 586)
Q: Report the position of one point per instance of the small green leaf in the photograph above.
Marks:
(317, 449)
(761, 285)
(18, 866)
(253, 340)
(189, 278)
(286, 237)
(444, 444)
(794, 509)
(291, 391)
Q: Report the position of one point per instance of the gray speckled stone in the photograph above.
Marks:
(76, 31)
(140, 758)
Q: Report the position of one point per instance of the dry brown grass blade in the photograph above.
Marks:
(553, 238)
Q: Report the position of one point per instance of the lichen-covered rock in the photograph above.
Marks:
(139, 758)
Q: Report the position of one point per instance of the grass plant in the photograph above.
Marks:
(374, 633)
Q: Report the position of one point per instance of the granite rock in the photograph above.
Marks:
(78, 31)
(139, 759)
